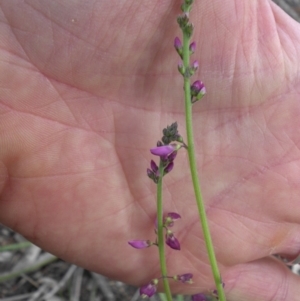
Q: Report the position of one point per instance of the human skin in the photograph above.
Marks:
(86, 88)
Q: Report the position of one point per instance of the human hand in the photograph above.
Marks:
(86, 88)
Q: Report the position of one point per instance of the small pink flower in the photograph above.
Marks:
(170, 218)
(140, 244)
(174, 216)
(149, 289)
(172, 241)
(162, 151)
(185, 278)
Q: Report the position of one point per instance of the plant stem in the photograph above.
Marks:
(160, 235)
(17, 246)
(194, 173)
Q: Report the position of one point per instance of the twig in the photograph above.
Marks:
(76, 285)
(43, 260)
(18, 297)
(103, 285)
(47, 284)
(61, 284)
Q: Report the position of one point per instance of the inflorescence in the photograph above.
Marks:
(166, 149)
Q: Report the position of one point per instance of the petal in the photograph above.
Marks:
(172, 241)
(174, 216)
(139, 244)
(162, 151)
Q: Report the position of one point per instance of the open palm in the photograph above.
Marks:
(86, 88)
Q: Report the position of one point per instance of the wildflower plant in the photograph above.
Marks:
(166, 150)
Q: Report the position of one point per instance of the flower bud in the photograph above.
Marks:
(154, 168)
(178, 46)
(195, 66)
(169, 167)
(192, 47)
(172, 156)
(181, 68)
(177, 43)
(198, 90)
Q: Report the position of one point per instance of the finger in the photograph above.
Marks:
(267, 279)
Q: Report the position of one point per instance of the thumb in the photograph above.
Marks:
(266, 279)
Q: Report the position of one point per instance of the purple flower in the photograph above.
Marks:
(172, 241)
(199, 297)
(169, 167)
(170, 218)
(140, 244)
(192, 47)
(185, 278)
(149, 289)
(177, 44)
(197, 86)
(163, 151)
(174, 216)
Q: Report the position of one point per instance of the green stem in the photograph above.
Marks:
(194, 173)
(17, 246)
(162, 297)
(160, 235)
